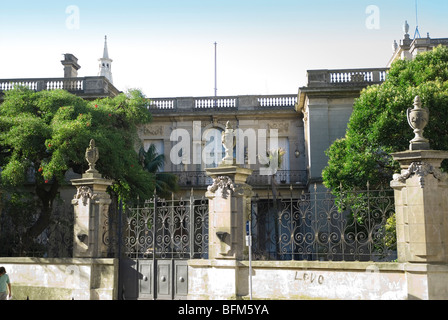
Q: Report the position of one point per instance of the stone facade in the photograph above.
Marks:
(192, 117)
(306, 125)
(326, 104)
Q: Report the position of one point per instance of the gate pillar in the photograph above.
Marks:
(91, 207)
(229, 209)
(421, 205)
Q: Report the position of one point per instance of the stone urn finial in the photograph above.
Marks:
(418, 119)
(406, 27)
(92, 156)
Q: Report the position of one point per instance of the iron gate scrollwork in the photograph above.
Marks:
(176, 229)
(158, 237)
(319, 226)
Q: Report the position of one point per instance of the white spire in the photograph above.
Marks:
(105, 63)
(105, 52)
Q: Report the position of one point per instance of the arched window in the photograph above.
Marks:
(213, 149)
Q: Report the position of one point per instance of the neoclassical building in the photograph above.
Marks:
(304, 124)
(187, 130)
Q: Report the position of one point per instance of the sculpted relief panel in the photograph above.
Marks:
(282, 127)
(152, 130)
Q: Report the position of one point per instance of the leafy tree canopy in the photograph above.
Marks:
(46, 133)
(378, 125)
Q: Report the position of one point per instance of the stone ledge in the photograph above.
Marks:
(53, 261)
(433, 157)
(425, 268)
(330, 265)
(207, 263)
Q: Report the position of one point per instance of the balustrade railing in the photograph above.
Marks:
(282, 177)
(217, 102)
(277, 101)
(6, 85)
(162, 104)
(69, 84)
(222, 103)
(346, 77)
(193, 178)
(87, 85)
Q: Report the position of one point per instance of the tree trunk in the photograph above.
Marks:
(46, 195)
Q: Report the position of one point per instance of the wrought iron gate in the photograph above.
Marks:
(159, 237)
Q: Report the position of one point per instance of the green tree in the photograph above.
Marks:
(151, 161)
(46, 133)
(378, 125)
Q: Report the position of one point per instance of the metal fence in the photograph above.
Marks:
(163, 228)
(56, 241)
(355, 226)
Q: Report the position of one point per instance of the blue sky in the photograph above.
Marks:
(165, 48)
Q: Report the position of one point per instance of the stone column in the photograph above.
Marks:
(91, 207)
(421, 202)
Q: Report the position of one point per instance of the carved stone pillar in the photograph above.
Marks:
(91, 207)
(421, 204)
(229, 209)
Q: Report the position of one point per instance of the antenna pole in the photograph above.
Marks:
(216, 88)
(416, 21)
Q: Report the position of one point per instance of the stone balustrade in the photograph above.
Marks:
(346, 77)
(223, 103)
(282, 177)
(86, 87)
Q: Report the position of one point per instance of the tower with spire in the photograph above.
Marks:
(105, 63)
